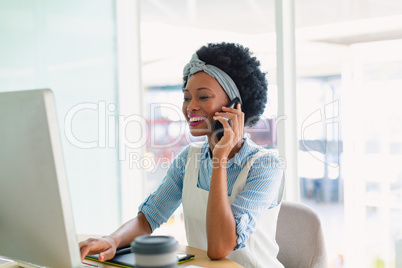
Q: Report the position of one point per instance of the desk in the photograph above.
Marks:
(201, 258)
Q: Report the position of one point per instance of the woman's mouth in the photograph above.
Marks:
(195, 120)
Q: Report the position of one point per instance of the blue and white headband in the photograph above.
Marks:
(196, 65)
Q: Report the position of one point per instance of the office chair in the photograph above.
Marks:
(300, 238)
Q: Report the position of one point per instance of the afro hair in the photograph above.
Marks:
(238, 63)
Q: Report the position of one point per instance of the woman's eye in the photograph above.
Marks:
(185, 99)
(204, 97)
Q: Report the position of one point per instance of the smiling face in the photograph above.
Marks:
(203, 96)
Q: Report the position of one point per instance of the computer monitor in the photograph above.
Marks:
(36, 223)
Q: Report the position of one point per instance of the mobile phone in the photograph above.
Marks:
(218, 127)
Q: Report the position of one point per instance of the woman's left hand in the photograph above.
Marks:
(232, 134)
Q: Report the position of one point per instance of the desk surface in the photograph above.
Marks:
(201, 258)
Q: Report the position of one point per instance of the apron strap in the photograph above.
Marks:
(242, 178)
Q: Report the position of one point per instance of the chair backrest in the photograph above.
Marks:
(299, 236)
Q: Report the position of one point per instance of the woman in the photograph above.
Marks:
(229, 187)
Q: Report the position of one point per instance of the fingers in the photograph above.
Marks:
(237, 118)
(233, 114)
(236, 111)
(107, 255)
(84, 243)
(95, 246)
(229, 128)
(228, 136)
(223, 120)
(84, 250)
(85, 247)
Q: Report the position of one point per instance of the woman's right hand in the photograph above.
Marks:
(105, 247)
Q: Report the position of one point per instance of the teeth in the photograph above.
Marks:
(195, 119)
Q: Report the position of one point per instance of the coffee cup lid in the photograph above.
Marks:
(147, 244)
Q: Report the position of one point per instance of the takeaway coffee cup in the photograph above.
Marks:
(155, 251)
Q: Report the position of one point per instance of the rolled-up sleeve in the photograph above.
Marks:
(260, 194)
(160, 205)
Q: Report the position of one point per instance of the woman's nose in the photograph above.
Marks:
(193, 105)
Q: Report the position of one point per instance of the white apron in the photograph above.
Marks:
(261, 248)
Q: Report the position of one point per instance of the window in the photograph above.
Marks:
(69, 47)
